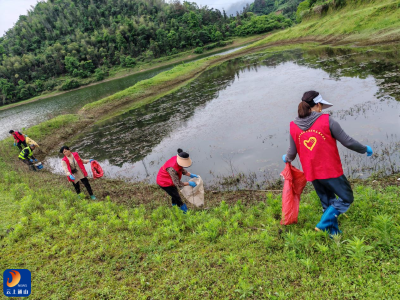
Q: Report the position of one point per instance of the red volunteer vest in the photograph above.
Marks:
(163, 177)
(317, 149)
(80, 164)
(19, 137)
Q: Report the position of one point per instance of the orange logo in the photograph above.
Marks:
(16, 277)
(310, 143)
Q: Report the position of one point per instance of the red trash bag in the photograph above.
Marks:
(96, 169)
(294, 184)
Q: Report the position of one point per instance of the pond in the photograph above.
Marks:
(33, 113)
(29, 114)
(234, 119)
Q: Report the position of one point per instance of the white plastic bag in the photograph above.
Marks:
(194, 195)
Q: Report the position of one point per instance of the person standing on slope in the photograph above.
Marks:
(313, 136)
(75, 170)
(19, 139)
(170, 174)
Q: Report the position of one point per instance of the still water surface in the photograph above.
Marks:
(234, 119)
(30, 114)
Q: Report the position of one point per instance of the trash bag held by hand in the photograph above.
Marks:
(96, 169)
(294, 184)
(194, 195)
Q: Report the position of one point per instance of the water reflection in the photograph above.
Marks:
(234, 119)
(33, 113)
(30, 114)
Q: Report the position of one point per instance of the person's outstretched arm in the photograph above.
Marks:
(346, 140)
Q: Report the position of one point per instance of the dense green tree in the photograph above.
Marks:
(6, 89)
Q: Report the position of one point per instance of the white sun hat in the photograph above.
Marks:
(319, 99)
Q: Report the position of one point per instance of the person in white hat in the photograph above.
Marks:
(170, 174)
(313, 136)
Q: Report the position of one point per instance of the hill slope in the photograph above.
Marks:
(364, 22)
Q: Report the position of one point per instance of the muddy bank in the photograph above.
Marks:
(134, 194)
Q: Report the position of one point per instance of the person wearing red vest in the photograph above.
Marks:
(170, 174)
(313, 136)
(75, 170)
(19, 139)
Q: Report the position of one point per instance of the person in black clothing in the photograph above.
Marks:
(19, 139)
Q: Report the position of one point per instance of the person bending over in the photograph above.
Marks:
(19, 139)
(26, 156)
(170, 174)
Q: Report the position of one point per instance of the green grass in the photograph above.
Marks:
(80, 249)
(8, 209)
(141, 88)
(46, 128)
(372, 22)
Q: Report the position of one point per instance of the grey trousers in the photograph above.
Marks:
(328, 189)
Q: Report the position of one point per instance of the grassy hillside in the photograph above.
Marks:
(364, 22)
(80, 249)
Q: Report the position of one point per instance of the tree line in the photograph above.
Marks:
(85, 38)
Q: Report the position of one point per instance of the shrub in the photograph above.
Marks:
(301, 10)
(198, 50)
(100, 74)
(50, 85)
(339, 3)
(127, 61)
(70, 84)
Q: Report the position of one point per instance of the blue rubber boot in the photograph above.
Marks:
(184, 208)
(329, 221)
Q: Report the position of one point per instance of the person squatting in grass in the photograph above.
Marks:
(75, 170)
(313, 136)
(26, 156)
(19, 139)
(170, 174)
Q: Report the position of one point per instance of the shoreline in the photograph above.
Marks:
(188, 56)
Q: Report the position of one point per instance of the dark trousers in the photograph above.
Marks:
(29, 164)
(19, 145)
(86, 183)
(173, 192)
(327, 189)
